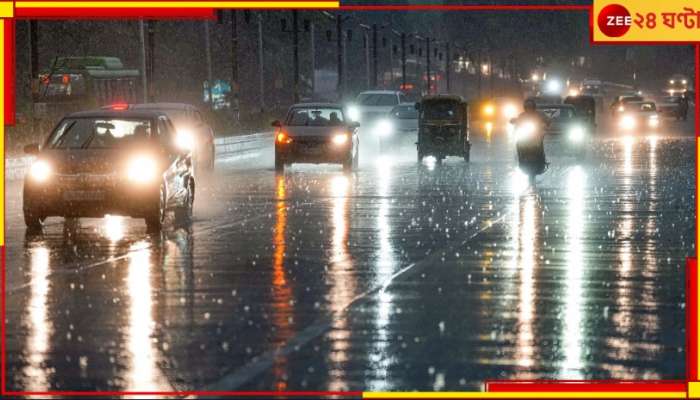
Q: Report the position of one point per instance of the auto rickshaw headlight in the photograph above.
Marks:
(577, 134)
(40, 171)
(141, 169)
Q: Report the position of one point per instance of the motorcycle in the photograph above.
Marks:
(530, 147)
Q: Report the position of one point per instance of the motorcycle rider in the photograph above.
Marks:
(530, 114)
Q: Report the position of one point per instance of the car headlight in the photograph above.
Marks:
(340, 138)
(184, 140)
(40, 171)
(577, 134)
(654, 121)
(510, 111)
(354, 113)
(524, 131)
(384, 127)
(620, 108)
(141, 169)
(628, 122)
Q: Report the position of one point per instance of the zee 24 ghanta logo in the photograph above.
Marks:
(615, 20)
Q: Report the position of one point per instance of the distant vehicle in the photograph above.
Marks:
(639, 117)
(443, 127)
(546, 99)
(673, 107)
(585, 107)
(494, 113)
(374, 104)
(677, 84)
(316, 133)
(619, 103)
(193, 131)
(109, 162)
(399, 127)
(564, 121)
(73, 84)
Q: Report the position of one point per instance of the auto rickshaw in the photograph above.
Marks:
(585, 108)
(443, 127)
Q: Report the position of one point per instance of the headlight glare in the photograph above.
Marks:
(340, 139)
(654, 122)
(384, 127)
(577, 134)
(353, 113)
(184, 140)
(524, 131)
(628, 122)
(141, 169)
(40, 171)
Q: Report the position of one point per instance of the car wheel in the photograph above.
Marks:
(466, 154)
(420, 156)
(184, 213)
(33, 220)
(156, 218)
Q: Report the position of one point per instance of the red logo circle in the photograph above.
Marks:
(614, 20)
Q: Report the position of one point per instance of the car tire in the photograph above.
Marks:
(33, 220)
(156, 217)
(420, 156)
(184, 212)
(466, 154)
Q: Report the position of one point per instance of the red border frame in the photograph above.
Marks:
(492, 386)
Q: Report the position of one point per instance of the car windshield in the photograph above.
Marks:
(404, 112)
(445, 109)
(641, 107)
(315, 117)
(97, 133)
(377, 99)
(558, 113)
(631, 98)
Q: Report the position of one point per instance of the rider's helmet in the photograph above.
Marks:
(529, 105)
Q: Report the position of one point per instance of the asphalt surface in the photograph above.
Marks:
(397, 277)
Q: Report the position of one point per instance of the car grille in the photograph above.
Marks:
(86, 180)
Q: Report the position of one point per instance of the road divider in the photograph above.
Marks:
(230, 147)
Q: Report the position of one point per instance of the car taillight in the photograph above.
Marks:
(119, 106)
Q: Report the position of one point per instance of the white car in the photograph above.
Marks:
(374, 104)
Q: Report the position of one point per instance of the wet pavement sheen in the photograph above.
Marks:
(397, 277)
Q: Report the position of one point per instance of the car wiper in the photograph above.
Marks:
(89, 140)
(60, 139)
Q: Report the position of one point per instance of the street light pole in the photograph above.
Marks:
(234, 67)
(295, 36)
(339, 50)
(403, 61)
(374, 56)
(312, 43)
(207, 52)
(447, 66)
(427, 63)
(260, 63)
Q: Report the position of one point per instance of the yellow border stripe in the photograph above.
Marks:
(523, 395)
(2, 129)
(177, 4)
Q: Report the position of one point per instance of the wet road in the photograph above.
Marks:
(396, 277)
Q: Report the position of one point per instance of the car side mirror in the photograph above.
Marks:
(354, 124)
(276, 123)
(32, 149)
